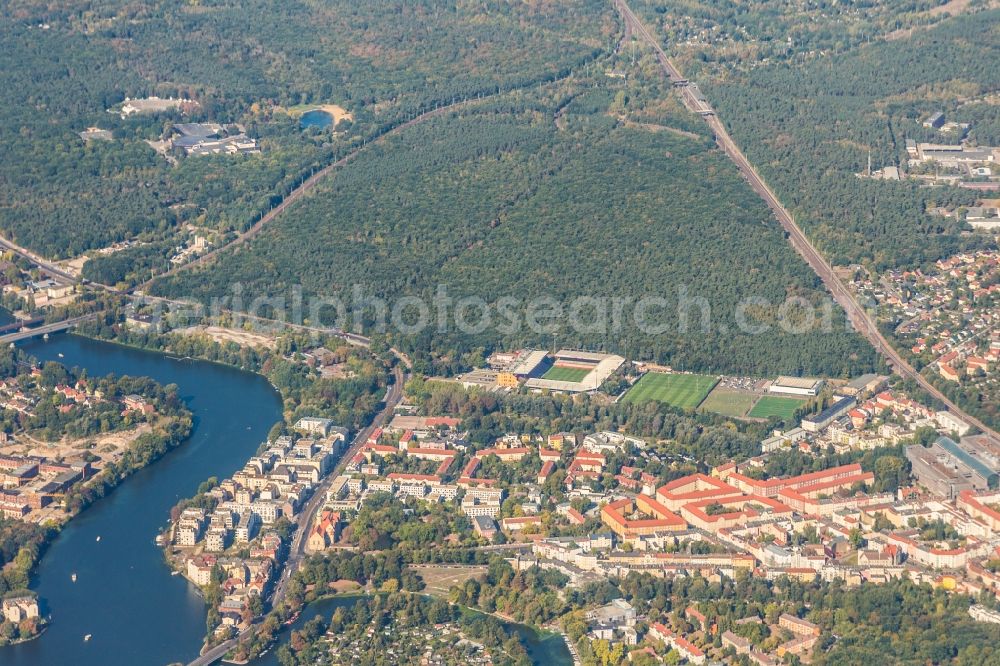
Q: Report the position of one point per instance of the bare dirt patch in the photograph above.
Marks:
(223, 335)
(108, 447)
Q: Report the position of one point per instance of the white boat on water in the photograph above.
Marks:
(86, 638)
(98, 538)
(73, 577)
(61, 355)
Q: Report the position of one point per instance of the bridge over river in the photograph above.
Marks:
(25, 332)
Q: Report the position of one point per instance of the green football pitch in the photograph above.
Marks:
(728, 402)
(560, 374)
(770, 405)
(684, 391)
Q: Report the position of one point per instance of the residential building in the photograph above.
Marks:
(18, 609)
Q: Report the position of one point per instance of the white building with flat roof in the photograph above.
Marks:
(951, 423)
(808, 386)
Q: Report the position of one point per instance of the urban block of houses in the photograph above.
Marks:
(18, 609)
(685, 648)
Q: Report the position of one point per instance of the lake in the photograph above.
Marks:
(125, 596)
(316, 118)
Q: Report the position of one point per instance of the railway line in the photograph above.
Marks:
(860, 319)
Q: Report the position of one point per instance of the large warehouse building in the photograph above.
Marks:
(948, 467)
(796, 386)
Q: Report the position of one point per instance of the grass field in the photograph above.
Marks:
(684, 391)
(559, 374)
(728, 402)
(439, 579)
(770, 405)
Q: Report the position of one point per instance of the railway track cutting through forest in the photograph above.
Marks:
(309, 183)
(304, 187)
(858, 316)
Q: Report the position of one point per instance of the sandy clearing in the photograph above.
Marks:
(223, 335)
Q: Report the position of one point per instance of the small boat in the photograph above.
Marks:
(61, 355)
(174, 573)
(73, 577)
(86, 638)
(98, 538)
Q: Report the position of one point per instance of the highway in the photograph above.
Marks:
(856, 313)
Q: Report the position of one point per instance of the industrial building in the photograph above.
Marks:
(947, 467)
(935, 121)
(869, 383)
(953, 155)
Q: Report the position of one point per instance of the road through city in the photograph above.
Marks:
(296, 551)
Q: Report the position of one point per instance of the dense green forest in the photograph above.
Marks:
(500, 202)
(21, 544)
(635, 203)
(809, 128)
(63, 66)
(350, 401)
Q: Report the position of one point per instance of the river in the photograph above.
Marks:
(125, 596)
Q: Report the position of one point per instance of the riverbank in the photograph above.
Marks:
(304, 392)
(224, 335)
(125, 596)
(20, 641)
(131, 423)
(352, 403)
